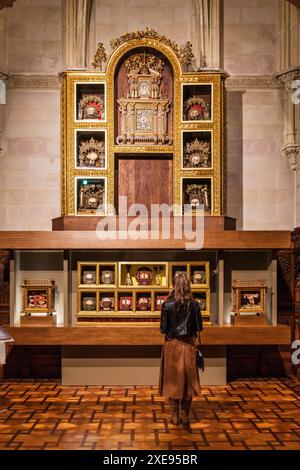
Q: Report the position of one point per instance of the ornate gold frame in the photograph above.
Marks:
(185, 170)
(252, 286)
(216, 125)
(48, 286)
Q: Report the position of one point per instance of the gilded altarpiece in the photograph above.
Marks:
(143, 104)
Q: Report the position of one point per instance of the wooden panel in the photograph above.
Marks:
(69, 222)
(145, 180)
(89, 240)
(145, 335)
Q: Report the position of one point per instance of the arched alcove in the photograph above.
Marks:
(144, 98)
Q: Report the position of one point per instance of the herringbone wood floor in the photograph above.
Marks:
(245, 414)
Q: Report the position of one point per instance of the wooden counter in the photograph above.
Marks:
(108, 334)
(72, 240)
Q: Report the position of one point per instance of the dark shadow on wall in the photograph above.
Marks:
(234, 143)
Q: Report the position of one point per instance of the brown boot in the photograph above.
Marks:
(175, 411)
(185, 411)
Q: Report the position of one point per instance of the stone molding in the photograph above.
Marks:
(288, 76)
(238, 82)
(29, 81)
(292, 152)
(245, 82)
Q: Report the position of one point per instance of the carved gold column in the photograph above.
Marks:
(207, 27)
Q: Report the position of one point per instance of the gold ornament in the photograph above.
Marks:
(100, 56)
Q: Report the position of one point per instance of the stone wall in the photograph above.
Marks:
(30, 165)
(30, 161)
(34, 30)
(260, 184)
(268, 190)
(116, 17)
(250, 37)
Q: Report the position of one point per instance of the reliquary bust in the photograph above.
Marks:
(92, 153)
(198, 194)
(91, 197)
(197, 154)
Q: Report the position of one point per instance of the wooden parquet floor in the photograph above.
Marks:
(245, 414)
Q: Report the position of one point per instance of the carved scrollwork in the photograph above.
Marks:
(100, 57)
(285, 262)
(184, 54)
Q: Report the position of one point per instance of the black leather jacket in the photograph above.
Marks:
(180, 319)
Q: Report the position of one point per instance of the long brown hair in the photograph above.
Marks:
(182, 289)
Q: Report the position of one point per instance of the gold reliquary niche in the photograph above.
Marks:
(144, 85)
(135, 290)
(196, 150)
(90, 102)
(197, 102)
(38, 296)
(249, 297)
(90, 196)
(90, 149)
(143, 275)
(197, 195)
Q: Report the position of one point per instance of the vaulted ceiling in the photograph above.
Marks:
(9, 3)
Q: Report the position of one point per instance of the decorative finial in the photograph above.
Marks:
(186, 55)
(100, 56)
(203, 63)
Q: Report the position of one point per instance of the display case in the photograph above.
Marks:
(140, 289)
(90, 285)
(144, 107)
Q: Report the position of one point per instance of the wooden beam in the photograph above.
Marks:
(88, 240)
(130, 334)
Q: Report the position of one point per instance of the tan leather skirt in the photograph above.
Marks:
(179, 377)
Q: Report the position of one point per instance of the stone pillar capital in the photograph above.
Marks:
(291, 152)
(287, 77)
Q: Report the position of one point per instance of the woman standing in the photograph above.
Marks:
(180, 322)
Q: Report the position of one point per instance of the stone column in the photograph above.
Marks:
(288, 60)
(291, 149)
(207, 30)
(3, 69)
(77, 14)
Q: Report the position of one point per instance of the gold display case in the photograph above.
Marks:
(141, 299)
(196, 104)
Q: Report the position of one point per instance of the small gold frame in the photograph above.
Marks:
(189, 267)
(205, 313)
(81, 294)
(256, 288)
(199, 179)
(137, 264)
(194, 170)
(198, 83)
(38, 285)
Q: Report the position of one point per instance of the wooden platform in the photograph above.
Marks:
(76, 240)
(132, 334)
